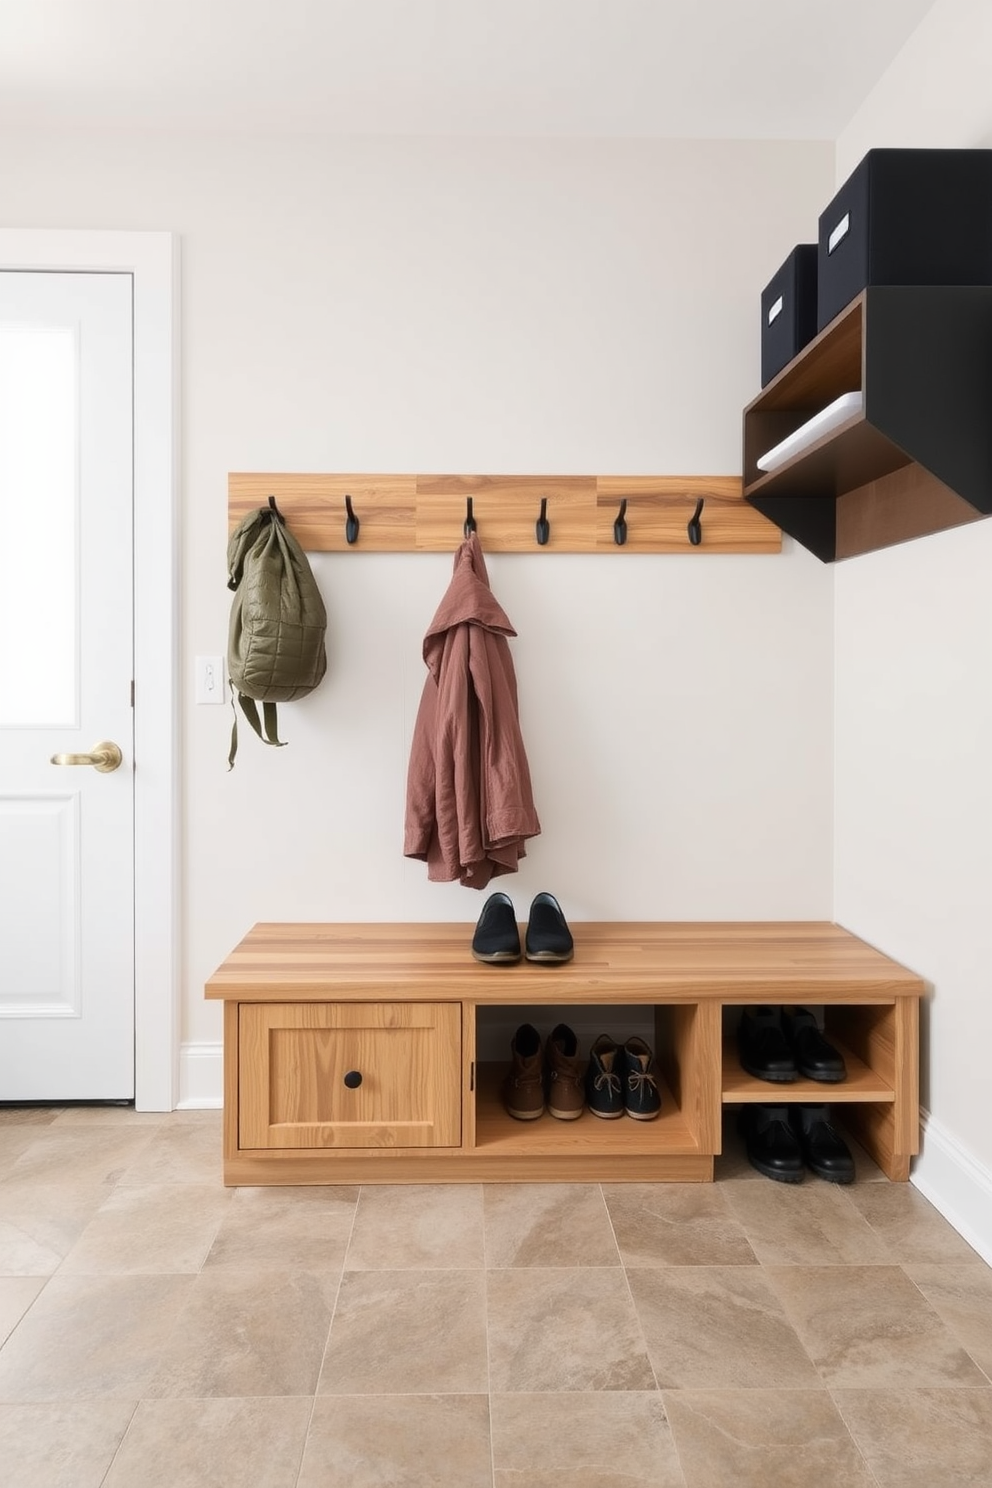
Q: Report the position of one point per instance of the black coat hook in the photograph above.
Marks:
(469, 519)
(694, 528)
(542, 527)
(275, 510)
(620, 525)
(352, 525)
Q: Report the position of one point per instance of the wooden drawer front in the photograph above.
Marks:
(292, 1060)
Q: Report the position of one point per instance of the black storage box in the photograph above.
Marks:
(906, 217)
(788, 310)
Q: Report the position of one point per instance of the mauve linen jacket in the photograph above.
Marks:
(469, 804)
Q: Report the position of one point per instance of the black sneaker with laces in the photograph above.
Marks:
(641, 1096)
(604, 1079)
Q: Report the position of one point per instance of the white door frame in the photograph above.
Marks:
(152, 258)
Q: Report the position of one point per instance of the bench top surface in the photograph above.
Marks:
(633, 961)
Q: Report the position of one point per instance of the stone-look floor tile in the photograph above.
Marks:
(399, 1441)
(804, 1224)
(396, 1329)
(922, 1438)
(676, 1224)
(869, 1326)
(572, 1329)
(247, 1333)
(547, 1224)
(15, 1140)
(587, 1440)
(764, 1439)
(40, 1222)
(149, 1231)
(717, 1327)
(108, 1116)
(61, 1446)
(281, 1229)
(962, 1297)
(417, 1227)
(91, 1337)
(212, 1444)
(80, 1155)
(16, 1295)
(179, 1152)
(910, 1228)
(28, 1115)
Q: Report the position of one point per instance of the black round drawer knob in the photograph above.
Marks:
(353, 1079)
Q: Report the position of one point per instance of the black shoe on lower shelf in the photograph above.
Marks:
(497, 939)
(771, 1143)
(815, 1057)
(823, 1148)
(762, 1046)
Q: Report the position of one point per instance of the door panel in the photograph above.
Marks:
(66, 832)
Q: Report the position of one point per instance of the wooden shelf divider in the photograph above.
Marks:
(426, 513)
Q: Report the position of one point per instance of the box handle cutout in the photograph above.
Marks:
(839, 233)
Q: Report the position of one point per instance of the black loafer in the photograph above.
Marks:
(762, 1046)
(815, 1057)
(823, 1148)
(771, 1143)
(548, 936)
(496, 937)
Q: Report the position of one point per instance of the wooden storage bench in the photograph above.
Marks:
(350, 1051)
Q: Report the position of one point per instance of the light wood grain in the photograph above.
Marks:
(304, 1002)
(423, 1165)
(293, 1058)
(651, 961)
(314, 507)
(426, 513)
(862, 1083)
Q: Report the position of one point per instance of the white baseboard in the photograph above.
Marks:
(201, 1077)
(956, 1184)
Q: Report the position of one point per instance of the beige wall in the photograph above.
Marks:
(913, 838)
(522, 306)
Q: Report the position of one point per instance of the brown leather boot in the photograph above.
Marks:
(566, 1075)
(523, 1086)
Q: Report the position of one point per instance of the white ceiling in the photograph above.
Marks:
(762, 69)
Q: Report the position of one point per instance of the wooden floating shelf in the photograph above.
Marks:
(862, 1084)
(426, 513)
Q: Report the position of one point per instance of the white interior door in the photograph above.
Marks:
(66, 668)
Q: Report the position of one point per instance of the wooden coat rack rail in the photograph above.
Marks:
(583, 513)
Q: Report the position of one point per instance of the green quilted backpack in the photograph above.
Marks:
(275, 649)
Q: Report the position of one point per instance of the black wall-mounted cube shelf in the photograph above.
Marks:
(917, 458)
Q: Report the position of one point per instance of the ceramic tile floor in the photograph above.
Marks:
(161, 1331)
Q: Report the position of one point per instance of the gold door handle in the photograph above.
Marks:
(103, 757)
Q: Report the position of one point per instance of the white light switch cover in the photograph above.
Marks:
(211, 685)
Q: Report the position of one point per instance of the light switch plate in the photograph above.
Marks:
(211, 686)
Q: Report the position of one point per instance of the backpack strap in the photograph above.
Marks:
(269, 719)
